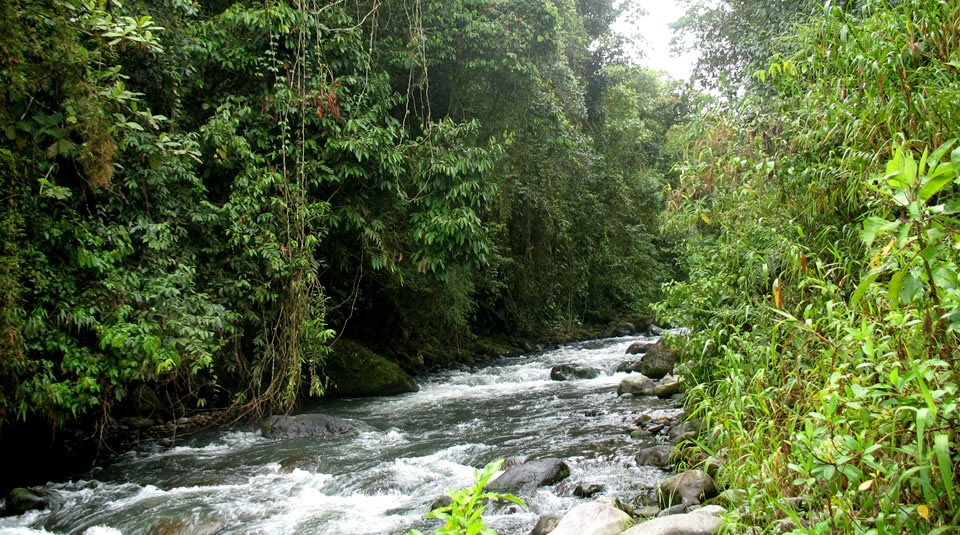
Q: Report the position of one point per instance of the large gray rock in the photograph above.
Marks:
(654, 456)
(306, 426)
(569, 372)
(625, 329)
(533, 474)
(683, 428)
(658, 361)
(685, 524)
(688, 488)
(593, 518)
(636, 383)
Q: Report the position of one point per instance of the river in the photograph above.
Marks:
(412, 449)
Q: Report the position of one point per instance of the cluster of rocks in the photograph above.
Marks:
(675, 507)
(679, 513)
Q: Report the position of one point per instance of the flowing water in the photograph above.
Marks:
(412, 449)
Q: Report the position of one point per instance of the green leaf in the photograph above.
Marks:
(936, 183)
(862, 288)
(874, 226)
(894, 287)
(911, 287)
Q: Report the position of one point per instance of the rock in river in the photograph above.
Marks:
(636, 383)
(688, 488)
(658, 361)
(592, 518)
(306, 426)
(532, 473)
(20, 500)
(654, 456)
(546, 524)
(695, 523)
(640, 347)
(669, 385)
(568, 372)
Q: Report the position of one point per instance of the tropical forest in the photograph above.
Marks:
(471, 267)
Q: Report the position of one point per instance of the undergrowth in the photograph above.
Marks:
(824, 293)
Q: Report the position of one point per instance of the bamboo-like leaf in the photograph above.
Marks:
(941, 448)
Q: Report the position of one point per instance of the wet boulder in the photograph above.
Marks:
(319, 426)
(636, 383)
(688, 488)
(640, 346)
(354, 370)
(629, 366)
(587, 490)
(530, 474)
(683, 431)
(625, 329)
(658, 361)
(654, 456)
(569, 372)
(593, 518)
(20, 500)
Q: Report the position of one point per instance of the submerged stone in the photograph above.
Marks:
(306, 426)
(569, 372)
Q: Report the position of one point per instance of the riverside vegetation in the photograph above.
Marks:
(819, 211)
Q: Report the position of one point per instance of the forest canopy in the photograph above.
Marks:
(200, 197)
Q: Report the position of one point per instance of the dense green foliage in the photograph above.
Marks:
(820, 213)
(197, 198)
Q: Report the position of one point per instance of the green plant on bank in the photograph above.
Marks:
(822, 290)
(464, 515)
(877, 449)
